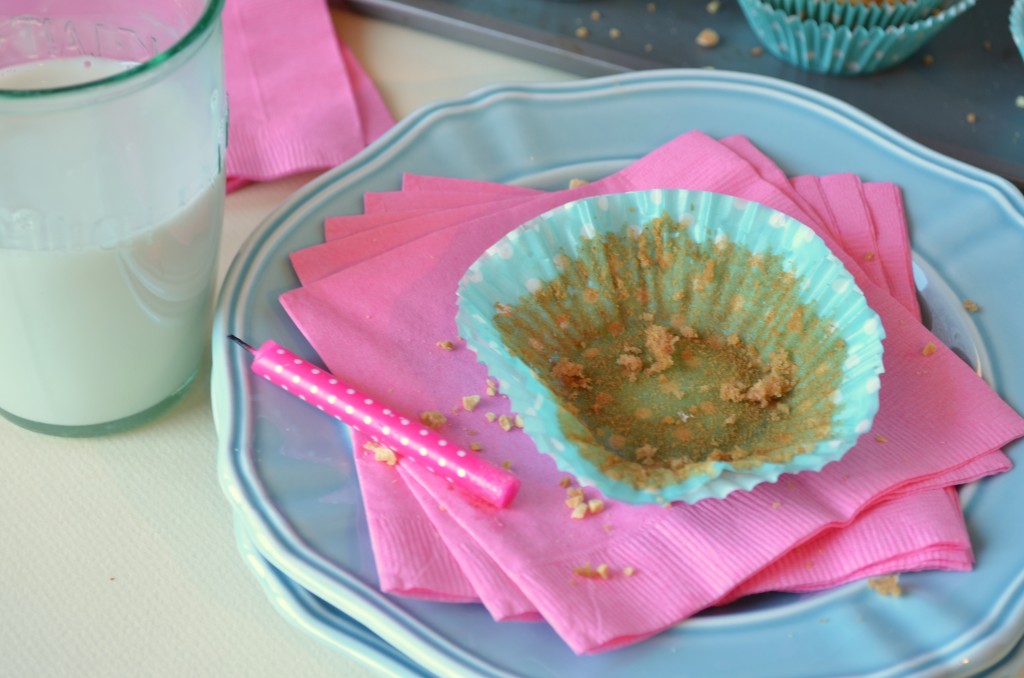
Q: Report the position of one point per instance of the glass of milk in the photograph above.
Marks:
(113, 125)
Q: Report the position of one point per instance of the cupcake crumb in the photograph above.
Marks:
(881, 439)
(970, 306)
(614, 33)
(476, 447)
(595, 15)
(602, 571)
(566, 481)
(576, 183)
(972, 118)
(886, 586)
(651, 7)
(490, 416)
(571, 375)
(433, 419)
(1019, 101)
(708, 38)
(492, 387)
(713, 6)
(756, 51)
(928, 59)
(446, 345)
(629, 570)
(868, 256)
(505, 422)
(582, 32)
(585, 571)
(929, 349)
(470, 402)
(381, 453)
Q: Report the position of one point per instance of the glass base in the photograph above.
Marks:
(106, 428)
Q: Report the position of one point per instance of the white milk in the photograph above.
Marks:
(106, 320)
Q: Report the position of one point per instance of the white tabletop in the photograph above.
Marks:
(118, 553)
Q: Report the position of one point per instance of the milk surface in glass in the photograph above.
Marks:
(105, 290)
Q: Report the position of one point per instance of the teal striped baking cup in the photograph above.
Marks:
(825, 47)
(853, 14)
(673, 345)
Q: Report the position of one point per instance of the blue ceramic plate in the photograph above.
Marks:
(321, 619)
(287, 473)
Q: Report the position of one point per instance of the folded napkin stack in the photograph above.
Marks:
(377, 302)
(298, 98)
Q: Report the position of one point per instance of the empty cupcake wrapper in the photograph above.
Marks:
(851, 14)
(530, 257)
(824, 47)
(1017, 24)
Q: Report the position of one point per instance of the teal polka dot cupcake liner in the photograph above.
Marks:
(1017, 24)
(825, 47)
(852, 14)
(511, 273)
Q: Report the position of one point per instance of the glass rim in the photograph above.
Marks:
(199, 28)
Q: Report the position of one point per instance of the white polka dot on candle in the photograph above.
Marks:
(367, 420)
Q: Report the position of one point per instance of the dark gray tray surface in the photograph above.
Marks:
(975, 66)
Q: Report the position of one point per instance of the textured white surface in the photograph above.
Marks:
(118, 553)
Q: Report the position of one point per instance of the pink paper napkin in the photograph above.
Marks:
(504, 603)
(298, 99)
(686, 557)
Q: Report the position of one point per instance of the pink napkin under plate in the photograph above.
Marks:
(298, 98)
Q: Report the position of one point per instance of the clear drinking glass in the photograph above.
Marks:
(113, 130)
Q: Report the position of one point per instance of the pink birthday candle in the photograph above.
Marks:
(406, 437)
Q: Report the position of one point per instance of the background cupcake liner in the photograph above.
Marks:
(857, 14)
(823, 47)
(1017, 24)
(520, 262)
